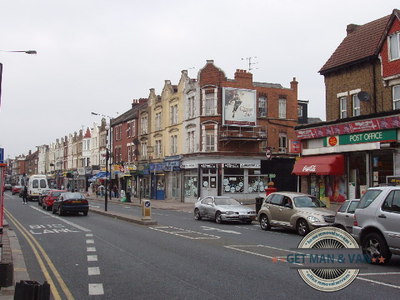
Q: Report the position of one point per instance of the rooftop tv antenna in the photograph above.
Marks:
(250, 63)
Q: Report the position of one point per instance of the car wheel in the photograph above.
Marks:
(197, 215)
(302, 227)
(264, 223)
(85, 213)
(374, 245)
(218, 218)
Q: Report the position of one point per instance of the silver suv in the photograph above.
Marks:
(377, 223)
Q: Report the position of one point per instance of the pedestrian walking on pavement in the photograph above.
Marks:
(25, 195)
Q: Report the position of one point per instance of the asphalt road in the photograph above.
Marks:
(101, 257)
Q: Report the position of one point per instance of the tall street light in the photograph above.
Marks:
(2, 165)
(13, 51)
(108, 153)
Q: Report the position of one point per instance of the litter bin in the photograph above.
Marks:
(259, 201)
(128, 196)
(32, 290)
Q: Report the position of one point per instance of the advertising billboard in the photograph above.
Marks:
(239, 107)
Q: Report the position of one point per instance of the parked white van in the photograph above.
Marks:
(37, 184)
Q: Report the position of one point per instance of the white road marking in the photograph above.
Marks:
(89, 234)
(96, 289)
(378, 282)
(189, 234)
(91, 249)
(378, 274)
(61, 219)
(92, 258)
(94, 206)
(220, 230)
(89, 241)
(93, 271)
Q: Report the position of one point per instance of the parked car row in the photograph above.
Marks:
(373, 220)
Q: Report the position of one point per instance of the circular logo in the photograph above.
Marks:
(328, 279)
(333, 141)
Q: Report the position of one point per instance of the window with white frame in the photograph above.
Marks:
(343, 107)
(356, 105)
(190, 141)
(144, 150)
(262, 106)
(174, 144)
(157, 150)
(191, 108)
(209, 103)
(210, 140)
(174, 114)
(158, 121)
(131, 128)
(143, 124)
(282, 142)
(394, 46)
(282, 108)
(396, 97)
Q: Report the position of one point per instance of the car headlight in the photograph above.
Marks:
(313, 219)
(229, 212)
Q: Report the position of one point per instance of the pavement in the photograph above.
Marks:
(10, 240)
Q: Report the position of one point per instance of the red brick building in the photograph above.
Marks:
(360, 136)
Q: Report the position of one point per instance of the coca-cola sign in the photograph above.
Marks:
(309, 168)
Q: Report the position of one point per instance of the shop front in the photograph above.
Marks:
(323, 176)
(369, 158)
(173, 178)
(240, 178)
(157, 176)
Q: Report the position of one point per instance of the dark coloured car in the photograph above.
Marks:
(50, 197)
(71, 202)
(16, 189)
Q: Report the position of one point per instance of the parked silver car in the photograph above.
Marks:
(344, 217)
(222, 208)
(377, 223)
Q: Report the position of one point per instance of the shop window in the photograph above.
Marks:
(233, 180)
(256, 183)
(382, 166)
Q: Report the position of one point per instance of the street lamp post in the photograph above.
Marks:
(2, 166)
(108, 160)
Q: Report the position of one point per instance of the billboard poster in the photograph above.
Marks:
(239, 107)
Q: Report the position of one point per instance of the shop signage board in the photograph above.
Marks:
(364, 137)
(384, 123)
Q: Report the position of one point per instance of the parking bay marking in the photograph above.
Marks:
(63, 220)
(220, 230)
(189, 234)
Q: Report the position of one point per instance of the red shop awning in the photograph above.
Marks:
(320, 165)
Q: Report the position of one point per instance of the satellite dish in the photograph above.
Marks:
(363, 96)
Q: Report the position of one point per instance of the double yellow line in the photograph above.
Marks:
(39, 253)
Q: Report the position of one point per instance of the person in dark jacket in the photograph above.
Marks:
(25, 195)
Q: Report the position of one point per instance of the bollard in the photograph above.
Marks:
(146, 210)
(31, 290)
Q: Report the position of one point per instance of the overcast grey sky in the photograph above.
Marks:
(98, 55)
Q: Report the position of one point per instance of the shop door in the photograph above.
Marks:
(209, 186)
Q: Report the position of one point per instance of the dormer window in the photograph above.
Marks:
(394, 46)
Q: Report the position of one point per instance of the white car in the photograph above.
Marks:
(344, 217)
(222, 208)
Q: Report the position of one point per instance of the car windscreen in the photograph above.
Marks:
(306, 201)
(368, 198)
(68, 196)
(226, 201)
(56, 194)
